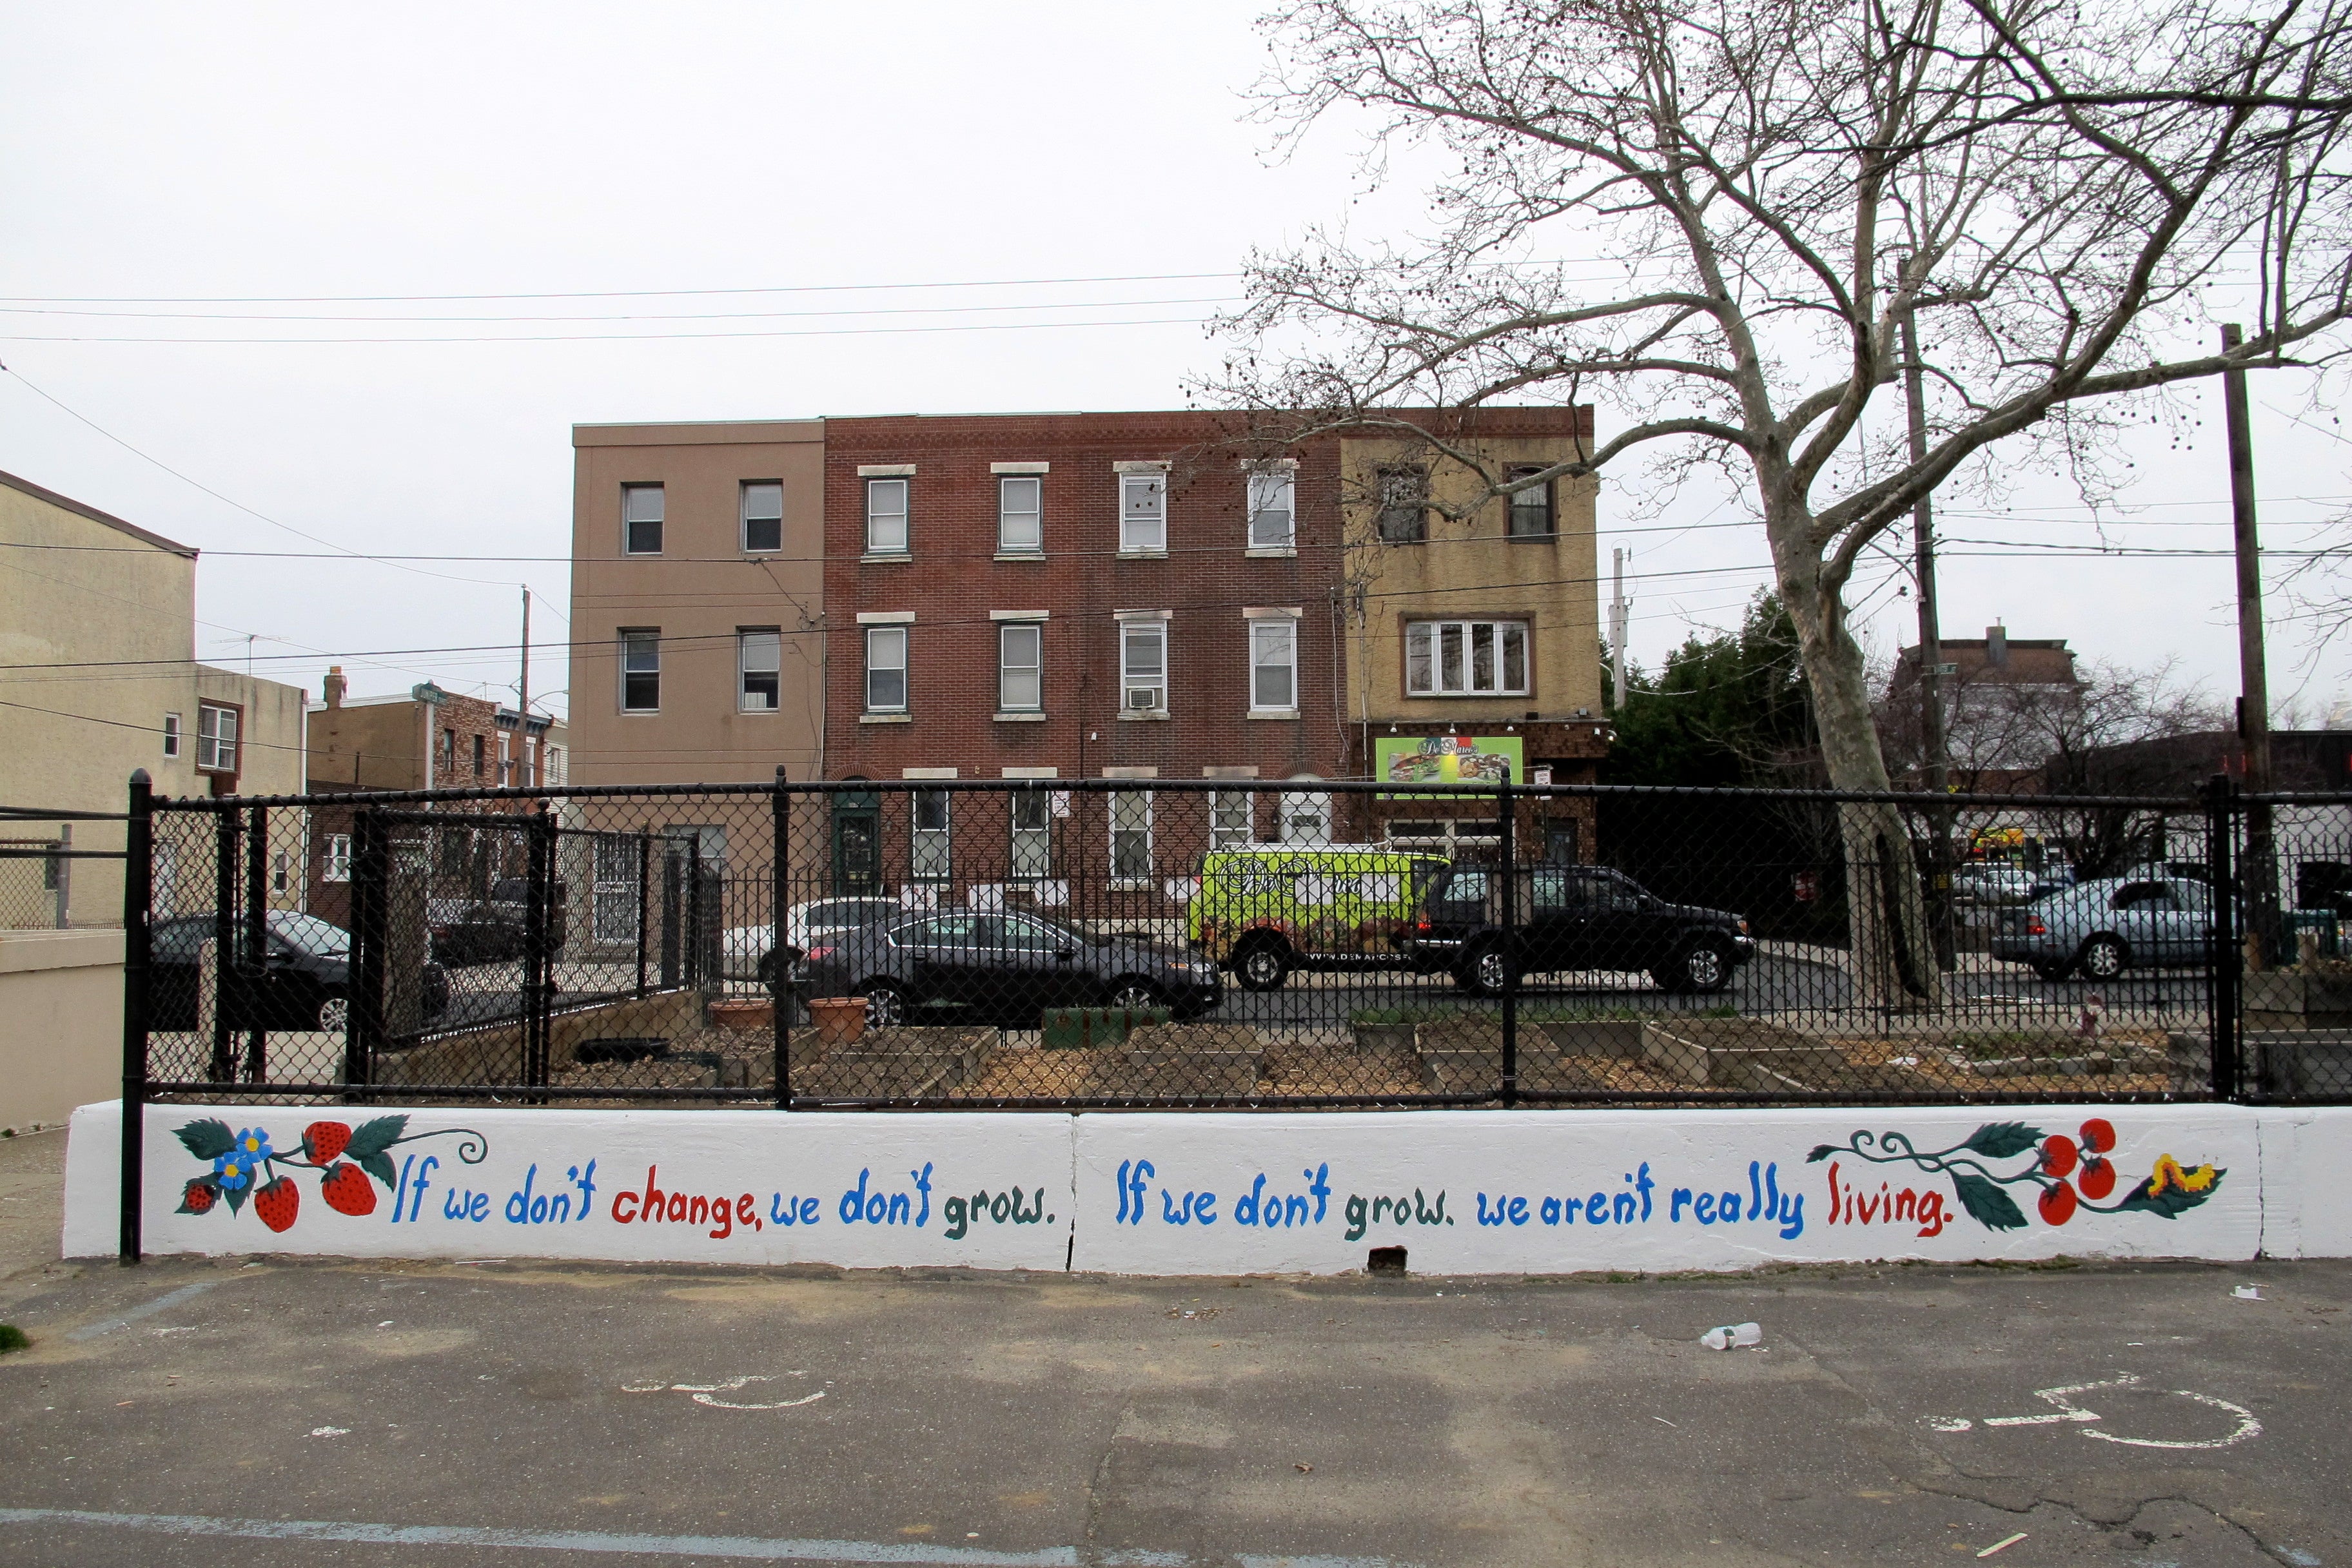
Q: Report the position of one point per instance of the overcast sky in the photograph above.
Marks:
(207, 173)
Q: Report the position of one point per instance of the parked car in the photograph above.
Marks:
(1569, 917)
(1991, 884)
(1264, 912)
(489, 930)
(1003, 969)
(305, 983)
(2104, 928)
(748, 952)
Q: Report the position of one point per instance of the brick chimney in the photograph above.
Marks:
(335, 686)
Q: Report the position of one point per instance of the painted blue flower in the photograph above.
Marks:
(235, 1171)
(252, 1146)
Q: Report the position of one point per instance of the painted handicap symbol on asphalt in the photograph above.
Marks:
(2069, 1413)
(705, 1393)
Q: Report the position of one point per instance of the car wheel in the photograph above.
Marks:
(2103, 958)
(335, 1015)
(1705, 966)
(2053, 972)
(1137, 995)
(1488, 972)
(885, 1006)
(1262, 966)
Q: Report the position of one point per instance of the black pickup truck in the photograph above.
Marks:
(1568, 918)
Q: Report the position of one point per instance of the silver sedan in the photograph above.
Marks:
(2105, 927)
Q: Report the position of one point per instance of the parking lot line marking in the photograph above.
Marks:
(741, 1548)
(162, 1303)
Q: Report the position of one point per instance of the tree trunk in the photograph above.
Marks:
(1893, 949)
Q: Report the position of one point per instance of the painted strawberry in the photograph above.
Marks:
(2057, 1204)
(322, 1141)
(278, 1204)
(347, 1190)
(199, 1198)
(2058, 1155)
(2098, 1178)
(2098, 1135)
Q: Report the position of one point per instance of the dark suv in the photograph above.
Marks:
(1569, 917)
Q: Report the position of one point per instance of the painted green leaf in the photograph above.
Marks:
(1822, 1151)
(208, 1139)
(377, 1165)
(2175, 1198)
(1991, 1206)
(374, 1137)
(1999, 1140)
(236, 1196)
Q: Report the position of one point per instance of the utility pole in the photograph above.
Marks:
(1931, 657)
(1621, 610)
(523, 701)
(2259, 864)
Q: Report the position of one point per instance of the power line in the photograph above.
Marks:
(605, 337)
(664, 316)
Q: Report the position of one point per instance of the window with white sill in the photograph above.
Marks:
(886, 517)
(1272, 512)
(1273, 666)
(1020, 515)
(1143, 514)
(758, 669)
(1020, 668)
(1465, 659)
(886, 669)
(1143, 666)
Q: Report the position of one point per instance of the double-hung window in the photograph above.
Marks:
(1273, 517)
(759, 666)
(641, 520)
(1404, 505)
(1465, 659)
(1131, 835)
(1032, 834)
(1143, 666)
(1531, 514)
(1020, 668)
(171, 734)
(886, 669)
(928, 856)
(1274, 665)
(1232, 819)
(216, 726)
(1143, 512)
(640, 669)
(1019, 514)
(763, 516)
(335, 863)
(886, 517)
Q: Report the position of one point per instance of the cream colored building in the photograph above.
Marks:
(697, 602)
(98, 677)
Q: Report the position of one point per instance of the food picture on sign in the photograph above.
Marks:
(1451, 759)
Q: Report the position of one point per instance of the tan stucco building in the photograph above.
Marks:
(98, 677)
(697, 602)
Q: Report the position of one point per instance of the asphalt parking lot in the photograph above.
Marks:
(229, 1411)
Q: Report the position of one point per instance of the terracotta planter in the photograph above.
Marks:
(837, 1020)
(742, 1013)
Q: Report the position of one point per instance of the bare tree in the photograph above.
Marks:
(1774, 189)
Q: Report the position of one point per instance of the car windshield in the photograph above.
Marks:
(309, 934)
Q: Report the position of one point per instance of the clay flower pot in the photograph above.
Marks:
(742, 1013)
(838, 1020)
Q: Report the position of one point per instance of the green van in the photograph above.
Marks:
(1264, 912)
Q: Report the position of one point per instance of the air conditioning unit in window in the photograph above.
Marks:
(1142, 699)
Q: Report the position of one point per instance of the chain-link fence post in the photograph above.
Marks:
(257, 940)
(138, 912)
(370, 902)
(538, 948)
(644, 903)
(780, 978)
(226, 968)
(1506, 850)
(2225, 966)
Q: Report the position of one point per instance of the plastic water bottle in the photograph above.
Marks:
(1733, 1336)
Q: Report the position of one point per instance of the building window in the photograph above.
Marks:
(1032, 834)
(759, 665)
(505, 758)
(641, 670)
(449, 754)
(614, 895)
(1465, 659)
(1273, 666)
(1143, 514)
(552, 758)
(1233, 819)
(1272, 514)
(335, 864)
(886, 517)
(763, 517)
(1404, 505)
(478, 750)
(886, 669)
(641, 520)
(171, 734)
(1143, 666)
(1021, 668)
(928, 855)
(1020, 515)
(279, 874)
(217, 728)
(1131, 835)
(1531, 516)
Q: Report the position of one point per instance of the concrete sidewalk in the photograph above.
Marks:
(186, 1411)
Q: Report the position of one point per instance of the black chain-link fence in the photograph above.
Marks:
(1163, 942)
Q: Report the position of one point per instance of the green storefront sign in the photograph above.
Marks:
(1449, 760)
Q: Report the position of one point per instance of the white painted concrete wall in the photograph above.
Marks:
(1464, 1192)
